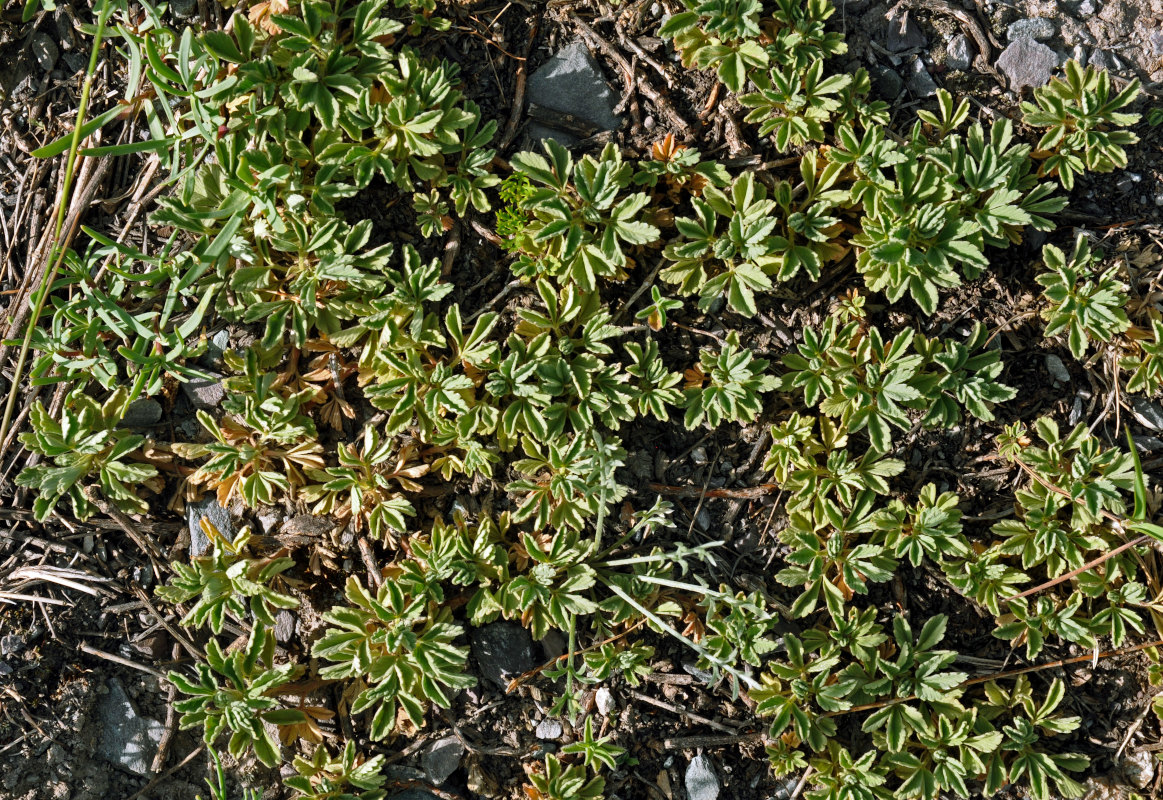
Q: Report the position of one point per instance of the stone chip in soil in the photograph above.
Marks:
(503, 650)
(127, 739)
(701, 781)
(1026, 62)
(572, 83)
(218, 516)
(442, 758)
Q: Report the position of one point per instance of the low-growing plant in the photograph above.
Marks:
(231, 692)
(85, 444)
(229, 580)
(344, 777)
(726, 387)
(1085, 123)
(1082, 302)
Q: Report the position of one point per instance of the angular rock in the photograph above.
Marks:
(184, 9)
(701, 781)
(903, 33)
(1139, 767)
(887, 82)
(126, 738)
(215, 348)
(921, 83)
(571, 82)
(442, 758)
(1037, 28)
(142, 413)
(1057, 369)
(1156, 40)
(1147, 413)
(1027, 63)
(549, 730)
(503, 650)
(218, 516)
(204, 394)
(45, 51)
(1086, 9)
(959, 54)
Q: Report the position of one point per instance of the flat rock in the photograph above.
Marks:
(1037, 28)
(1027, 63)
(1147, 413)
(1057, 369)
(442, 758)
(920, 82)
(45, 51)
(218, 516)
(903, 33)
(887, 82)
(701, 781)
(572, 82)
(126, 738)
(549, 730)
(142, 413)
(503, 650)
(204, 393)
(959, 54)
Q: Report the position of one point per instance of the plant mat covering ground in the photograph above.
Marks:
(786, 426)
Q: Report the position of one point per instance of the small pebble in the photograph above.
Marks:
(959, 53)
(701, 781)
(1057, 369)
(699, 455)
(45, 51)
(649, 123)
(549, 730)
(921, 83)
(604, 700)
(1037, 28)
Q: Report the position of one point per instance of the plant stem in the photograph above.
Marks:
(103, 14)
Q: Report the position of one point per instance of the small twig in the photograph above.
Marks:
(519, 95)
(692, 742)
(84, 647)
(803, 782)
(643, 86)
(369, 562)
(163, 747)
(671, 707)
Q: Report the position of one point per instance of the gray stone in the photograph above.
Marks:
(126, 738)
(285, 624)
(1147, 413)
(442, 758)
(218, 516)
(1139, 767)
(142, 413)
(1148, 444)
(1078, 53)
(921, 83)
(701, 781)
(1057, 369)
(215, 348)
(904, 33)
(1104, 59)
(1086, 9)
(1027, 63)
(1156, 40)
(503, 650)
(573, 83)
(184, 9)
(204, 393)
(549, 730)
(959, 54)
(1038, 28)
(45, 51)
(887, 82)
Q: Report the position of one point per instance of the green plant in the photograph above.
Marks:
(1081, 301)
(1145, 363)
(722, 34)
(232, 693)
(362, 487)
(726, 386)
(1085, 123)
(85, 444)
(344, 777)
(400, 645)
(228, 580)
(562, 782)
(580, 217)
(595, 751)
